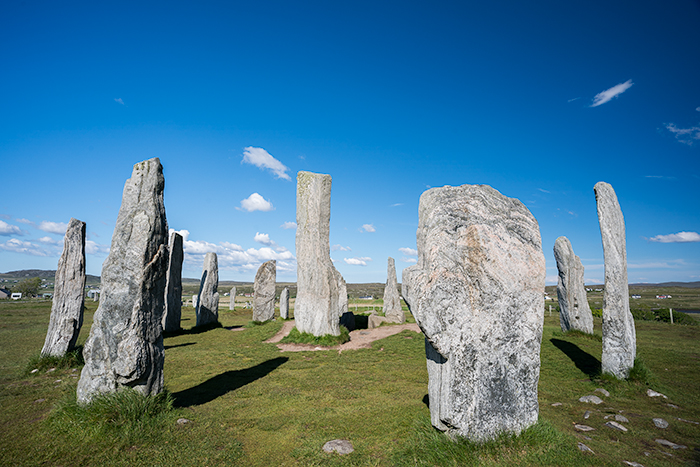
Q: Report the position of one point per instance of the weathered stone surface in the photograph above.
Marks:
(575, 314)
(603, 392)
(615, 426)
(652, 393)
(477, 293)
(208, 298)
(591, 400)
(232, 303)
(284, 303)
(69, 293)
(619, 335)
(264, 292)
(173, 285)
(660, 423)
(392, 301)
(670, 444)
(319, 301)
(579, 427)
(341, 446)
(583, 448)
(125, 346)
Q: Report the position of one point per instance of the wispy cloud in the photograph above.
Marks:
(93, 248)
(395, 205)
(262, 159)
(408, 251)
(543, 190)
(119, 101)
(607, 95)
(50, 241)
(340, 248)
(289, 225)
(19, 246)
(672, 264)
(58, 228)
(661, 177)
(361, 261)
(684, 135)
(574, 99)
(9, 229)
(25, 221)
(367, 228)
(409, 260)
(255, 202)
(680, 237)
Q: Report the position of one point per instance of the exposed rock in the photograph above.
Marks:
(652, 393)
(621, 418)
(673, 406)
(392, 301)
(575, 314)
(264, 292)
(125, 346)
(583, 427)
(603, 392)
(208, 298)
(619, 335)
(557, 404)
(341, 446)
(583, 448)
(173, 285)
(477, 293)
(660, 422)
(586, 414)
(615, 426)
(319, 302)
(591, 399)
(183, 421)
(284, 303)
(687, 421)
(669, 444)
(69, 294)
(232, 303)
(632, 464)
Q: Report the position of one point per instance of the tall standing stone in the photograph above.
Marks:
(619, 335)
(392, 302)
(69, 293)
(284, 303)
(574, 314)
(477, 293)
(264, 292)
(125, 346)
(208, 298)
(319, 301)
(173, 285)
(232, 303)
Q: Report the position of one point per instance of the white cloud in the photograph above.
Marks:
(368, 228)
(49, 241)
(680, 237)
(255, 202)
(53, 227)
(289, 225)
(697, 108)
(263, 238)
(607, 95)
(262, 159)
(543, 190)
(395, 205)
(92, 248)
(9, 229)
(25, 221)
(409, 260)
(19, 246)
(574, 99)
(408, 251)
(685, 135)
(119, 101)
(341, 248)
(672, 264)
(362, 261)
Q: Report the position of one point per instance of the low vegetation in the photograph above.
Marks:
(327, 340)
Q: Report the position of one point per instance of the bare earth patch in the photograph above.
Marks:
(359, 339)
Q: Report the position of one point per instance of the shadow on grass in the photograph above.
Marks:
(583, 360)
(233, 328)
(194, 330)
(225, 382)
(166, 347)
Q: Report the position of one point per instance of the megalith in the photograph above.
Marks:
(477, 293)
(69, 293)
(232, 303)
(125, 345)
(619, 335)
(392, 302)
(264, 292)
(208, 299)
(284, 303)
(173, 285)
(574, 311)
(320, 298)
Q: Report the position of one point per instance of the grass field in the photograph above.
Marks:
(250, 404)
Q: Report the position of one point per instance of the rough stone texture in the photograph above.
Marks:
(284, 303)
(69, 293)
(392, 301)
(602, 391)
(477, 293)
(173, 285)
(208, 298)
(652, 393)
(591, 400)
(319, 301)
(619, 335)
(575, 314)
(232, 304)
(341, 446)
(615, 425)
(125, 345)
(264, 292)
(660, 423)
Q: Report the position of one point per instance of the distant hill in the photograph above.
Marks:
(40, 273)
(689, 285)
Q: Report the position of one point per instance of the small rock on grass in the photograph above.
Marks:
(341, 446)
(660, 422)
(183, 421)
(633, 464)
(583, 427)
(557, 404)
(687, 421)
(39, 400)
(621, 418)
(603, 392)
(34, 370)
(586, 414)
(652, 393)
(673, 406)
(585, 448)
(615, 426)
(591, 399)
(669, 444)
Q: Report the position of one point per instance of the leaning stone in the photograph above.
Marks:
(591, 400)
(652, 393)
(232, 303)
(660, 422)
(125, 345)
(208, 298)
(621, 418)
(667, 443)
(619, 335)
(583, 448)
(69, 294)
(477, 293)
(583, 427)
(574, 314)
(284, 303)
(264, 292)
(173, 285)
(615, 425)
(341, 446)
(603, 392)
(392, 301)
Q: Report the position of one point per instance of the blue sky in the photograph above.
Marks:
(540, 100)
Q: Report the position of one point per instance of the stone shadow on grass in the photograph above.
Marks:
(193, 330)
(224, 383)
(584, 361)
(166, 347)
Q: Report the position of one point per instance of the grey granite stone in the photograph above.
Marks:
(284, 303)
(208, 298)
(264, 292)
(232, 303)
(575, 314)
(173, 285)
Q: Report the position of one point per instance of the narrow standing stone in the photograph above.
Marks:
(284, 303)
(125, 346)
(208, 298)
(264, 292)
(392, 301)
(232, 304)
(619, 335)
(575, 313)
(69, 293)
(173, 285)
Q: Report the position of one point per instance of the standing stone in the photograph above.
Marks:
(477, 293)
(125, 346)
(232, 304)
(264, 292)
(69, 294)
(194, 301)
(619, 335)
(319, 302)
(173, 285)
(284, 304)
(208, 298)
(571, 292)
(392, 302)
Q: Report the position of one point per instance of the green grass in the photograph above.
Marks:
(72, 359)
(327, 340)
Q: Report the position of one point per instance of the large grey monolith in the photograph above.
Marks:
(284, 303)
(173, 285)
(69, 293)
(477, 293)
(574, 312)
(125, 346)
(232, 303)
(208, 299)
(619, 335)
(264, 292)
(392, 302)
(319, 300)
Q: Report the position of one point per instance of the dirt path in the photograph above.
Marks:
(359, 339)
